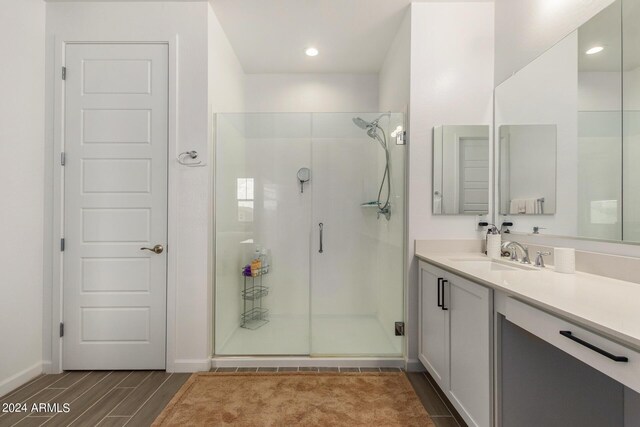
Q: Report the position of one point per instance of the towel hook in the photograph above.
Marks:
(193, 154)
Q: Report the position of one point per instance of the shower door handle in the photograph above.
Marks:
(321, 226)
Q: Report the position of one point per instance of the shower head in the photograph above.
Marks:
(370, 127)
(361, 123)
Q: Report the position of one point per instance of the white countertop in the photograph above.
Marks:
(608, 306)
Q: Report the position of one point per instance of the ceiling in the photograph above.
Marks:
(270, 36)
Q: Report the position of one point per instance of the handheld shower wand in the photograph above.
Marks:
(372, 129)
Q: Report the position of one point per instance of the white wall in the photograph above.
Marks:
(527, 28)
(226, 94)
(451, 83)
(318, 93)
(394, 84)
(198, 35)
(226, 76)
(21, 189)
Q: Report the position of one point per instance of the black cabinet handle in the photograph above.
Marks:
(443, 282)
(568, 334)
(440, 279)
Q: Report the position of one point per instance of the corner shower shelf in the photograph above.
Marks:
(254, 315)
(255, 318)
(260, 272)
(255, 292)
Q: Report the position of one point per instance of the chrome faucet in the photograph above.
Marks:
(513, 249)
(540, 258)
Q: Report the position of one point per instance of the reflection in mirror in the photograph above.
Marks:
(527, 169)
(631, 119)
(576, 85)
(599, 126)
(460, 170)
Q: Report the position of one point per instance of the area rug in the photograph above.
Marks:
(295, 399)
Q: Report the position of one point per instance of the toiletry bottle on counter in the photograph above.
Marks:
(494, 242)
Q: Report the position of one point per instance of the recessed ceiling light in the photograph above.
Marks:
(312, 51)
(594, 49)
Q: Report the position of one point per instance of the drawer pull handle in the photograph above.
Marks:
(439, 292)
(442, 306)
(568, 334)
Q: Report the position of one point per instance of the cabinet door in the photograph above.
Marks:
(470, 309)
(433, 336)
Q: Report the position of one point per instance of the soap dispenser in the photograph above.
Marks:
(493, 242)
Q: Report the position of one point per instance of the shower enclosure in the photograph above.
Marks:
(306, 193)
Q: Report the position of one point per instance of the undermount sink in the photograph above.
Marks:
(493, 265)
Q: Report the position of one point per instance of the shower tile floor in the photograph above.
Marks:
(331, 336)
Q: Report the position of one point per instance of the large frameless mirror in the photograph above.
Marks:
(461, 170)
(587, 89)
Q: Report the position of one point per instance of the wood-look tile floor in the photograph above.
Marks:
(136, 398)
(117, 398)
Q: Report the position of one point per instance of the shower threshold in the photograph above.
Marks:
(305, 361)
(329, 336)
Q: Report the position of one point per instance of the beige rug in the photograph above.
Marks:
(292, 399)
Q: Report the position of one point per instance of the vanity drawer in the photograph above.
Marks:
(565, 336)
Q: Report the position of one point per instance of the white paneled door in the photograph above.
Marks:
(115, 139)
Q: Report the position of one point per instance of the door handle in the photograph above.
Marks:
(157, 249)
(321, 226)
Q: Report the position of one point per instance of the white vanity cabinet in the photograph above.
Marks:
(433, 342)
(455, 332)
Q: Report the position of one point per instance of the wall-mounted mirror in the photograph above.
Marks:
(461, 170)
(527, 169)
(631, 120)
(588, 86)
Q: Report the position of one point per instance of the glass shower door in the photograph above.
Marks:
(334, 282)
(356, 252)
(259, 206)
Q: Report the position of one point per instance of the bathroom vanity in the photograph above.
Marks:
(511, 344)
(515, 345)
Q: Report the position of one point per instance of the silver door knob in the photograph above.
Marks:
(158, 249)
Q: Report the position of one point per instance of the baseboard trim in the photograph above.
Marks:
(190, 365)
(20, 378)
(48, 368)
(292, 362)
(414, 365)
